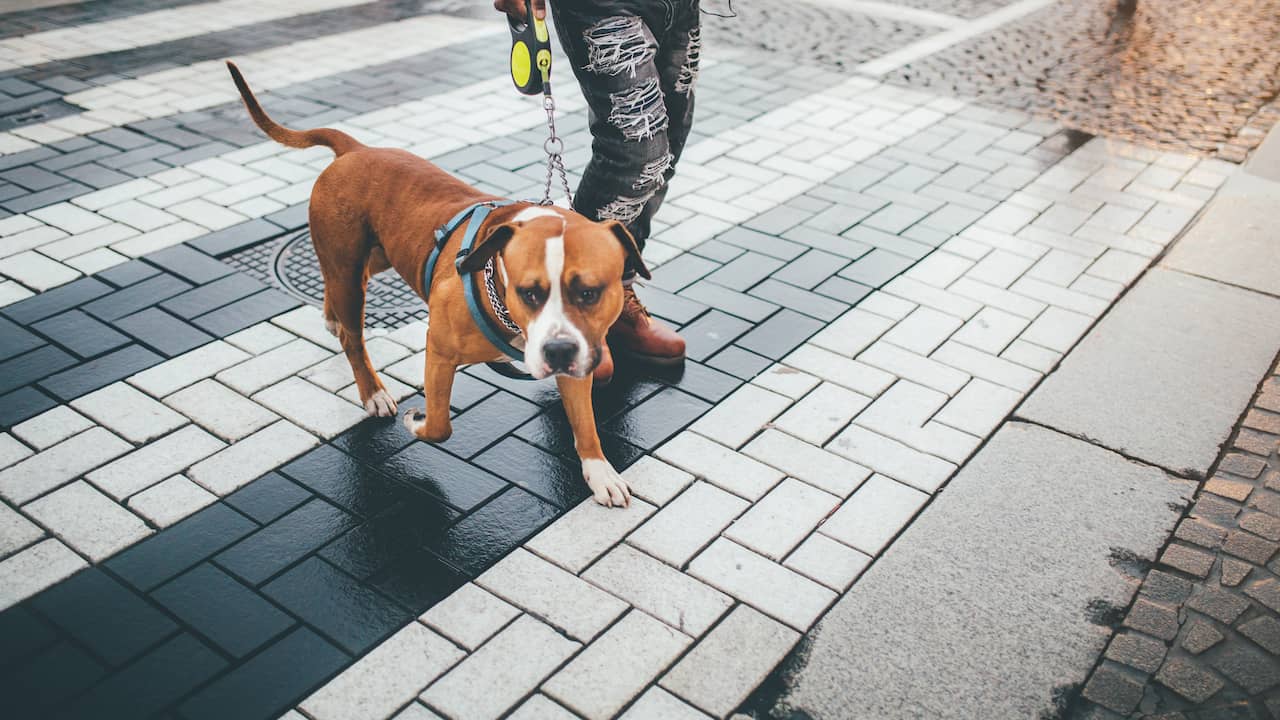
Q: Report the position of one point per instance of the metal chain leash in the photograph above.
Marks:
(554, 147)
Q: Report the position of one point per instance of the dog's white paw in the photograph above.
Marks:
(415, 419)
(607, 486)
(380, 404)
(331, 326)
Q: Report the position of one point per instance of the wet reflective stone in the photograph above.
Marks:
(283, 542)
(156, 680)
(113, 621)
(390, 537)
(342, 479)
(267, 498)
(234, 617)
(419, 580)
(658, 418)
(181, 546)
(54, 675)
(548, 476)
(344, 609)
(442, 475)
(487, 534)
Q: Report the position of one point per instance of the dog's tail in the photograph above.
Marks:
(336, 140)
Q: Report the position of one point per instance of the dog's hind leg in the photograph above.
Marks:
(344, 254)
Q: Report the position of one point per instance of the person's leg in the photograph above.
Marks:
(615, 52)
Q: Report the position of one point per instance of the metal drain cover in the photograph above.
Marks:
(290, 263)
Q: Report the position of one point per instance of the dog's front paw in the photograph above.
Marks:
(607, 486)
(416, 422)
(380, 404)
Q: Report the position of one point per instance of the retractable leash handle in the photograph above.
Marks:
(530, 53)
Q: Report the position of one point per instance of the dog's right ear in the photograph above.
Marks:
(488, 246)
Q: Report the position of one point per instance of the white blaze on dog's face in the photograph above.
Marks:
(563, 278)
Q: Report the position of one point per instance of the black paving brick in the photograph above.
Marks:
(80, 333)
(125, 160)
(427, 467)
(155, 681)
(14, 340)
(216, 605)
(744, 272)
(717, 251)
(419, 580)
(112, 621)
(181, 546)
(56, 300)
(191, 265)
(487, 421)
(343, 480)
(55, 674)
(80, 157)
(800, 300)
(269, 683)
(136, 297)
(26, 157)
(237, 237)
(23, 404)
(375, 439)
(89, 376)
(657, 419)
(846, 291)
(143, 169)
(14, 86)
(548, 476)
(697, 379)
(290, 218)
(22, 633)
(741, 363)
(95, 176)
(128, 273)
(730, 301)
(495, 529)
(876, 268)
(354, 615)
(268, 497)
(31, 366)
(247, 311)
(551, 432)
(122, 138)
(705, 336)
(480, 381)
(771, 245)
(392, 536)
(52, 195)
(810, 269)
(780, 334)
(285, 541)
(671, 307)
(33, 178)
(681, 272)
(195, 154)
(162, 332)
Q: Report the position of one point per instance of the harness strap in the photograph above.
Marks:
(474, 216)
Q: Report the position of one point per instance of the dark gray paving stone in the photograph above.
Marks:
(216, 605)
(353, 614)
(182, 546)
(113, 621)
(23, 404)
(1159, 355)
(135, 297)
(100, 372)
(14, 340)
(268, 497)
(479, 539)
(246, 311)
(956, 626)
(284, 541)
(50, 678)
(155, 681)
(31, 366)
(80, 333)
(444, 476)
(162, 332)
(51, 302)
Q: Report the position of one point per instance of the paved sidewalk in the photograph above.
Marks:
(197, 521)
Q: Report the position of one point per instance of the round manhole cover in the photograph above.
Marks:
(389, 302)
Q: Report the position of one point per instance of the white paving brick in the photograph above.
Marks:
(942, 300)
(37, 271)
(540, 707)
(738, 417)
(615, 668)
(659, 589)
(719, 465)
(129, 413)
(979, 408)
(87, 520)
(586, 532)
(260, 338)
(762, 583)
(656, 481)
(414, 711)
(558, 597)
(1057, 329)
(167, 502)
(776, 524)
(658, 704)
(786, 381)
(822, 413)
(35, 569)
(1000, 268)
(923, 330)
(857, 376)
(272, 366)
(16, 531)
(11, 451)
(470, 615)
(154, 462)
(390, 676)
(60, 464)
(807, 462)
(51, 427)
(1032, 356)
(987, 366)
(852, 332)
(221, 410)
(68, 217)
(253, 456)
(991, 330)
(308, 322)
(870, 519)
(913, 367)
(833, 564)
(903, 413)
(173, 375)
(310, 407)
(494, 678)
(725, 666)
(892, 458)
(1118, 266)
(688, 523)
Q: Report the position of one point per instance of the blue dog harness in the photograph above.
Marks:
(474, 216)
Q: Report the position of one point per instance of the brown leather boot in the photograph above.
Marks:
(636, 334)
(603, 373)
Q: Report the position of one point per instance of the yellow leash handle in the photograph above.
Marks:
(530, 51)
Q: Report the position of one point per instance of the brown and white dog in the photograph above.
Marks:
(559, 274)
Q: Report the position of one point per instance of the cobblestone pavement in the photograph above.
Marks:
(198, 521)
(1182, 75)
(1202, 639)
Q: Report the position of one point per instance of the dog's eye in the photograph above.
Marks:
(588, 296)
(531, 296)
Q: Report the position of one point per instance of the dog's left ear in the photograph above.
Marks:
(490, 245)
(621, 232)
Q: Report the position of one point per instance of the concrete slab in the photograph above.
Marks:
(1166, 373)
(1265, 161)
(992, 631)
(1237, 241)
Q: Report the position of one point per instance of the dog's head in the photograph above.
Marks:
(562, 275)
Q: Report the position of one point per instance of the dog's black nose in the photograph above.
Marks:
(559, 354)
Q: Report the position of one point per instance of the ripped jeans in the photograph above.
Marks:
(637, 61)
